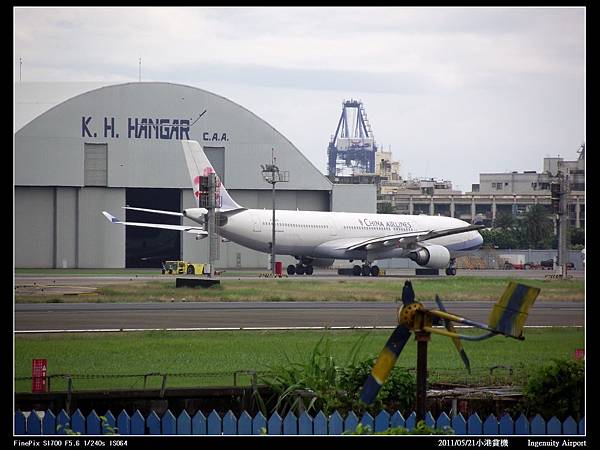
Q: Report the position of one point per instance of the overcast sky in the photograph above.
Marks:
(453, 92)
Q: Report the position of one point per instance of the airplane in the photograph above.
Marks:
(317, 238)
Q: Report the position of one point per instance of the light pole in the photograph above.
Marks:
(563, 223)
(272, 175)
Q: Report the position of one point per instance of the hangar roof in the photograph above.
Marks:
(33, 98)
(141, 124)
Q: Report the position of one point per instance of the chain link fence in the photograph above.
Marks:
(492, 376)
(148, 380)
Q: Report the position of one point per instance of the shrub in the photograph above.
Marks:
(322, 383)
(420, 428)
(398, 392)
(556, 389)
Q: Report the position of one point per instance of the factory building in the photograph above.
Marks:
(120, 145)
(496, 193)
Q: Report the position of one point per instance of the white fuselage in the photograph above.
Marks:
(319, 234)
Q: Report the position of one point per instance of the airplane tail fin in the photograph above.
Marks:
(199, 165)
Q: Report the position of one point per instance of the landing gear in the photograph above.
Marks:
(451, 270)
(366, 270)
(304, 267)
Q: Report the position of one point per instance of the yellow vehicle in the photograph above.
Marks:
(182, 267)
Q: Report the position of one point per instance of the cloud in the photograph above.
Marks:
(453, 46)
(474, 89)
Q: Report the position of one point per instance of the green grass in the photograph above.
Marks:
(450, 288)
(223, 353)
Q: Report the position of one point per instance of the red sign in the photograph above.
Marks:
(579, 353)
(39, 372)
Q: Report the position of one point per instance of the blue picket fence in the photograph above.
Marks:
(320, 424)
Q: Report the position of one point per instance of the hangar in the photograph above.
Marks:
(119, 145)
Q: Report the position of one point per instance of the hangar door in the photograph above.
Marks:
(149, 247)
(216, 156)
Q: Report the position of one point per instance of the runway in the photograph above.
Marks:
(85, 316)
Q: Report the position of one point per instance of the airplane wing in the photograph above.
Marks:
(189, 229)
(156, 211)
(408, 239)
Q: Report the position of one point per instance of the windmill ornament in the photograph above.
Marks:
(507, 318)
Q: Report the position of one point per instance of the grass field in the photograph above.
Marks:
(222, 353)
(451, 288)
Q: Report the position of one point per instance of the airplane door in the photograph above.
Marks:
(256, 223)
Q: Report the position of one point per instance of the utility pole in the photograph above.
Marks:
(140, 70)
(563, 224)
(272, 174)
(559, 192)
(20, 65)
(210, 198)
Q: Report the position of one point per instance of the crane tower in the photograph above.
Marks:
(352, 148)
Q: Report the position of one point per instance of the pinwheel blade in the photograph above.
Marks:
(457, 342)
(510, 312)
(384, 364)
(408, 293)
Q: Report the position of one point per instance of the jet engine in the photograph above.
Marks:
(432, 256)
(196, 214)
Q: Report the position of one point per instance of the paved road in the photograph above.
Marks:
(79, 316)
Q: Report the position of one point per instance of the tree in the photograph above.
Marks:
(536, 227)
(577, 237)
(385, 208)
(505, 221)
(499, 238)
